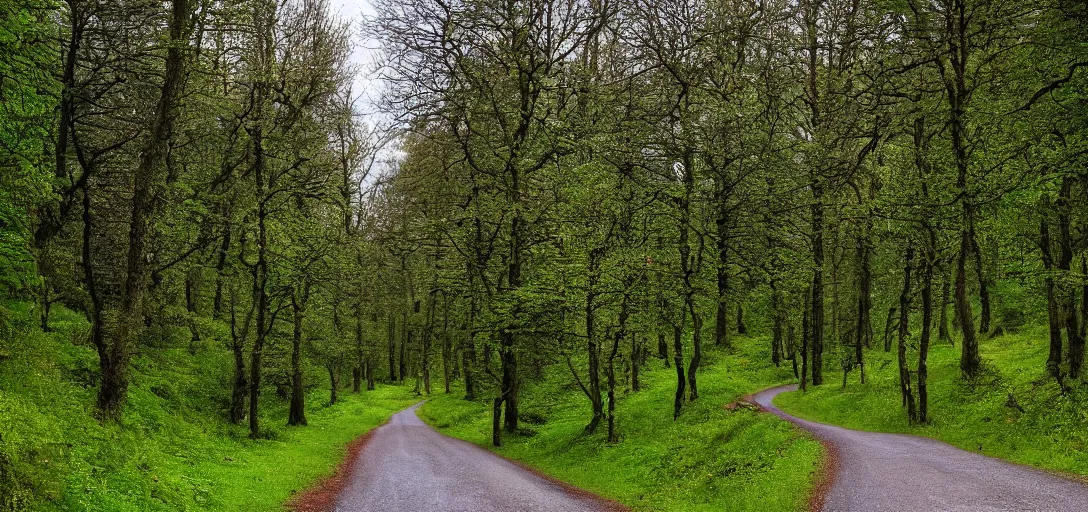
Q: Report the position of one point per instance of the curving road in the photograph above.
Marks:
(896, 472)
(407, 466)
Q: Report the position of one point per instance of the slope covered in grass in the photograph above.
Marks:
(711, 458)
(1014, 411)
(173, 451)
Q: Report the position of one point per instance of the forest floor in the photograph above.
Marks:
(919, 474)
(173, 450)
(407, 466)
(1014, 411)
(712, 457)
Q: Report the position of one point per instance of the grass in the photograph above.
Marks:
(710, 459)
(983, 416)
(172, 451)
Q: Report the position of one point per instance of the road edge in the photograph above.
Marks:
(829, 463)
(603, 504)
(1065, 475)
(322, 494)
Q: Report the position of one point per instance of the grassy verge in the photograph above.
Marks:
(710, 459)
(173, 451)
(1014, 411)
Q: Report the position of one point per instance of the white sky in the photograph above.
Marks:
(367, 87)
(363, 53)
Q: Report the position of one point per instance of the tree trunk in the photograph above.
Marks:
(888, 329)
(969, 357)
(958, 94)
(238, 390)
(1084, 298)
(721, 320)
(610, 371)
(334, 382)
(47, 306)
(221, 265)
(50, 222)
(361, 371)
(776, 325)
(806, 333)
(662, 347)
(927, 321)
(297, 414)
(496, 421)
(264, 19)
(983, 286)
(260, 293)
(864, 329)
(817, 315)
(468, 355)
(369, 372)
(942, 327)
(405, 338)
(392, 332)
(446, 348)
(191, 308)
(509, 381)
(507, 352)
(240, 385)
(428, 333)
(1069, 292)
(1053, 310)
(678, 360)
(904, 318)
(687, 273)
(617, 339)
(742, 329)
(128, 323)
(791, 348)
(358, 372)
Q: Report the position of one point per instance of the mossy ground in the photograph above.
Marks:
(173, 449)
(710, 458)
(984, 415)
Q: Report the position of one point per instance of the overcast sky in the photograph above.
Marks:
(367, 89)
(353, 12)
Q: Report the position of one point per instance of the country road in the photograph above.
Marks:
(894, 472)
(409, 467)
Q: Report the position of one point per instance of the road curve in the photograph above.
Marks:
(902, 473)
(407, 466)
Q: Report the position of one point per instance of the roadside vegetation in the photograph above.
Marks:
(719, 455)
(173, 449)
(1013, 410)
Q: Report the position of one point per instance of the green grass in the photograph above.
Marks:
(172, 451)
(1050, 433)
(709, 459)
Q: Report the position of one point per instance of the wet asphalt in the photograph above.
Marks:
(409, 467)
(876, 472)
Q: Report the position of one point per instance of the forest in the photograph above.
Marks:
(605, 217)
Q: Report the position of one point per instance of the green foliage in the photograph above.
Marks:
(27, 101)
(172, 451)
(712, 457)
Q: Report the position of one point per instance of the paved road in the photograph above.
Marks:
(895, 472)
(409, 467)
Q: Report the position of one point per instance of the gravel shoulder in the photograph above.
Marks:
(903, 473)
(407, 466)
